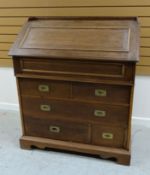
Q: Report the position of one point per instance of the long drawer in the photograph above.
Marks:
(76, 69)
(92, 112)
(77, 91)
(57, 129)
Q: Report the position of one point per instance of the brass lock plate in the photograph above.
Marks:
(54, 129)
(99, 113)
(107, 135)
(43, 88)
(100, 92)
(45, 107)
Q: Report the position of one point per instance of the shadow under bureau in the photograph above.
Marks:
(75, 78)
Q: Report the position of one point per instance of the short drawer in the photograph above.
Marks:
(101, 93)
(44, 88)
(92, 112)
(76, 69)
(109, 136)
(57, 129)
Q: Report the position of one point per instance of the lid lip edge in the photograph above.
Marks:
(35, 56)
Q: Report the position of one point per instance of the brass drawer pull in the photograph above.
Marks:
(45, 108)
(99, 113)
(100, 92)
(43, 88)
(108, 136)
(54, 129)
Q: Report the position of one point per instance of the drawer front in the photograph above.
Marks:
(57, 129)
(108, 136)
(101, 93)
(90, 70)
(77, 91)
(92, 112)
(44, 88)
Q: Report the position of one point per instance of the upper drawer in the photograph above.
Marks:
(76, 91)
(44, 88)
(75, 69)
(101, 93)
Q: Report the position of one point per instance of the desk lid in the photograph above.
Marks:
(93, 38)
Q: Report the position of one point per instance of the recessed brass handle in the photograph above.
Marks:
(45, 107)
(100, 92)
(54, 129)
(107, 135)
(43, 88)
(99, 113)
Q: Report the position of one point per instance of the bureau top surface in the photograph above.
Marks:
(92, 38)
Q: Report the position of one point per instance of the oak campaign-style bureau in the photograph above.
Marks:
(75, 78)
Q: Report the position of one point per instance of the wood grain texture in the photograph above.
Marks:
(67, 3)
(144, 61)
(118, 94)
(66, 11)
(9, 30)
(76, 11)
(57, 129)
(5, 46)
(72, 69)
(4, 38)
(12, 21)
(57, 89)
(59, 97)
(85, 40)
(144, 52)
(15, 13)
(4, 54)
(76, 91)
(142, 70)
(6, 62)
(72, 110)
(122, 156)
(145, 42)
(118, 135)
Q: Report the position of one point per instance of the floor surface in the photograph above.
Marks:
(16, 161)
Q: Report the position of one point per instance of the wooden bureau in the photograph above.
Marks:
(75, 78)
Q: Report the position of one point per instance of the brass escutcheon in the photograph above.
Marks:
(100, 92)
(99, 113)
(45, 107)
(43, 88)
(108, 135)
(54, 129)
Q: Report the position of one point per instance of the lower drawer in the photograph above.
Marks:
(109, 136)
(57, 129)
